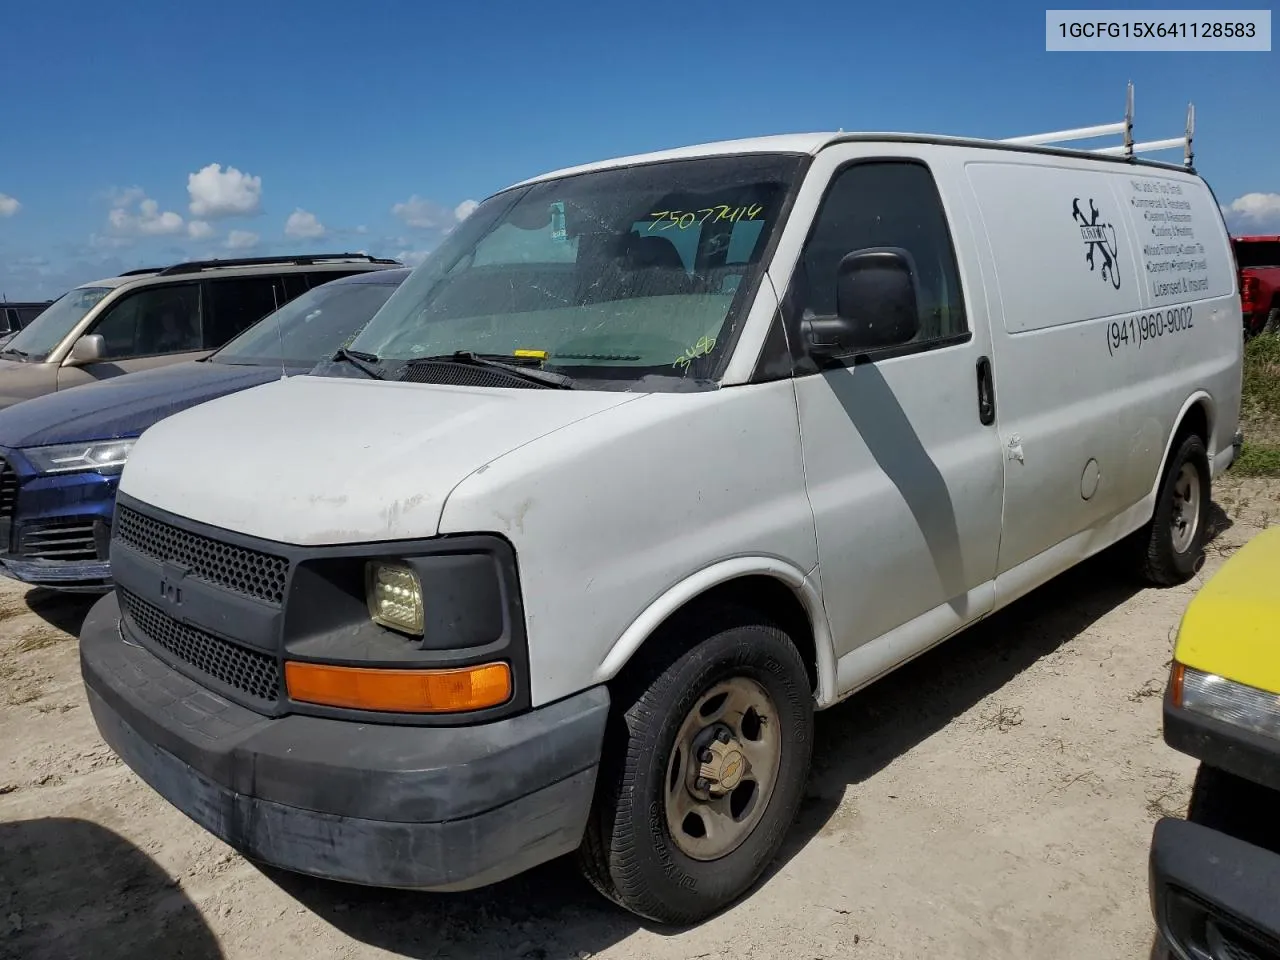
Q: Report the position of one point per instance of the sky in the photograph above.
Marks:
(143, 133)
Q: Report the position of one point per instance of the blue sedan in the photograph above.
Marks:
(62, 454)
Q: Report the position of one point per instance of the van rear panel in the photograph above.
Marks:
(1117, 307)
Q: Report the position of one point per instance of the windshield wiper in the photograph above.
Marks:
(495, 361)
(10, 352)
(364, 362)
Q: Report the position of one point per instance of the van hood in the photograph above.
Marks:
(123, 406)
(318, 460)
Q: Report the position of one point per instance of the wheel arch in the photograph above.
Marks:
(779, 590)
(1196, 416)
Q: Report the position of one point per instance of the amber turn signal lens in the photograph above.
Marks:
(1175, 682)
(399, 691)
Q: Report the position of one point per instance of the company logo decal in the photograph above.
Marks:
(1100, 241)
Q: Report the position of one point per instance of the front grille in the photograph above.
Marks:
(8, 490)
(250, 572)
(252, 673)
(65, 540)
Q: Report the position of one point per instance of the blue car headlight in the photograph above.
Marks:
(101, 456)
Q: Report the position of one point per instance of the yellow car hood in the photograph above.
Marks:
(1232, 627)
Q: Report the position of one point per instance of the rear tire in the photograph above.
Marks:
(1171, 546)
(702, 773)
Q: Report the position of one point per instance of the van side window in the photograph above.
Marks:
(885, 203)
(236, 304)
(155, 320)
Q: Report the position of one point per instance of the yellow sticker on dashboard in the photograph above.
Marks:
(534, 354)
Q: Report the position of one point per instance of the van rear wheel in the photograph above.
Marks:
(1172, 544)
(702, 775)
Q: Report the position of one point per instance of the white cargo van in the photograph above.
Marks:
(648, 461)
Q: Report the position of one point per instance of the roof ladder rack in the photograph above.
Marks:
(1128, 149)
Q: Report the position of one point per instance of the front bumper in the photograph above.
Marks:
(1244, 753)
(438, 808)
(1213, 896)
(83, 576)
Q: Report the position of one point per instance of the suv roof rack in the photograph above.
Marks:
(1128, 149)
(305, 260)
(140, 271)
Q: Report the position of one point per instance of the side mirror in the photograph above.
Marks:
(88, 349)
(877, 304)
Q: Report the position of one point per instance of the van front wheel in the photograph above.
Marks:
(1173, 543)
(702, 775)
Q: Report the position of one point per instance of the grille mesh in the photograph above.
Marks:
(248, 671)
(461, 375)
(250, 572)
(68, 540)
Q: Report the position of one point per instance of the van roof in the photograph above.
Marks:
(812, 143)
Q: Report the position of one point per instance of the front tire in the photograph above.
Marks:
(702, 773)
(1172, 544)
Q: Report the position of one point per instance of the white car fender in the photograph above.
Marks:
(803, 585)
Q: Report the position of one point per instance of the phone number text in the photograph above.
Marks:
(1136, 331)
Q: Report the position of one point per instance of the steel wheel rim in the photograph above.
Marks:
(723, 769)
(1184, 523)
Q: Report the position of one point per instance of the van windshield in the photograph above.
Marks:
(35, 341)
(615, 274)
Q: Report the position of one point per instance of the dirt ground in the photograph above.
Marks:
(992, 799)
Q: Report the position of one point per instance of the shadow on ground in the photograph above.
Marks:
(551, 913)
(65, 611)
(70, 889)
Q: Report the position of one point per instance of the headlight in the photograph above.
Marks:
(104, 456)
(395, 596)
(1225, 700)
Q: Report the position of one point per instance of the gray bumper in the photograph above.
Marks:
(440, 808)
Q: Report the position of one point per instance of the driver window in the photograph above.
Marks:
(153, 321)
(890, 203)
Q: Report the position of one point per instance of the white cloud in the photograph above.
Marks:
(8, 205)
(99, 242)
(411, 258)
(362, 229)
(199, 230)
(304, 225)
(422, 213)
(217, 193)
(147, 221)
(241, 240)
(426, 214)
(1254, 208)
(123, 196)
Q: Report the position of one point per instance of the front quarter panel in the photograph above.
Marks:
(610, 514)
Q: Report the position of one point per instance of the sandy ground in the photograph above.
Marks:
(992, 799)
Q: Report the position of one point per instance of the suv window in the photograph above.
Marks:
(154, 320)
(238, 303)
(889, 203)
(27, 314)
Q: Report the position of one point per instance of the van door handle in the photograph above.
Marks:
(986, 393)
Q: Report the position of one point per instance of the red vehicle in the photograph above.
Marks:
(1258, 259)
